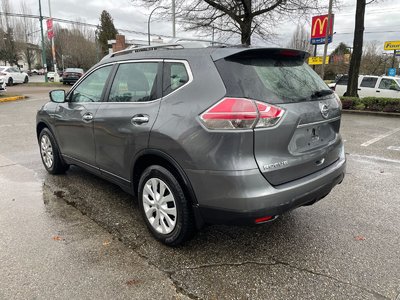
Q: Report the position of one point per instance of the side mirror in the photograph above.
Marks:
(57, 96)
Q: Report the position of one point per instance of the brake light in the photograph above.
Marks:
(240, 113)
(289, 53)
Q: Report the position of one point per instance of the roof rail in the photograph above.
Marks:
(132, 49)
(192, 43)
(176, 44)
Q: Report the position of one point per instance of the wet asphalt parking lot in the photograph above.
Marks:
(77, 236)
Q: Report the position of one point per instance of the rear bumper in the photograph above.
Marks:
(69, 80)
(240, 197)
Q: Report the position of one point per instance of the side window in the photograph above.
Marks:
(369, 82)
(175, 76)
(91, 88)
(388, 84)
(135, 82)
(343, 80)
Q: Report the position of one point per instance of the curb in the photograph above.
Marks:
(371, 113)
(15, 98)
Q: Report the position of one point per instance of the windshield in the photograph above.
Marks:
(398, 81)
(277, 80)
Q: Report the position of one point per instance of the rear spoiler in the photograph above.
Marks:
(258, 52)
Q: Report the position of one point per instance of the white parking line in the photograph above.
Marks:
(368, 157)
(395, 148)
(382, 136)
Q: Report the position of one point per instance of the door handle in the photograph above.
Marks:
(378, 91)
(87, 117)
(140, 119)
(358, 89)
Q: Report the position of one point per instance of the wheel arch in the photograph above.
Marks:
(150, 157)
(40, 126)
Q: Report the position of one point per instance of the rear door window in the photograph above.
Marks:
(273, 79)
(369, 82)
(135, 82)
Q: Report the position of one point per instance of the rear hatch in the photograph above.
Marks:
(306, 139)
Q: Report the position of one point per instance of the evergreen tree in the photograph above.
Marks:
(106, 31)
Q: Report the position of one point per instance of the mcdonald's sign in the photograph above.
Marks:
(318, 29)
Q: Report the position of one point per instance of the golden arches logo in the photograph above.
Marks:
(321, 24)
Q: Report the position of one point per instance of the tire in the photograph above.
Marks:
(50, 153)
(26, 80)
(10, 81)
(169, 229)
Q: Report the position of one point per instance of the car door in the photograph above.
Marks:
(17, 75)
(74, 118)
(388, 88)
(367, 86)
(123, 124)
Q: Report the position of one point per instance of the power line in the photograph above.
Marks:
(77, 23)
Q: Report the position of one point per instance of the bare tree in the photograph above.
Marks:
(26, 34)
(9, 52)
(238, 17)
(355, 61)
(75, 46)
(373, 62)
(300, 39)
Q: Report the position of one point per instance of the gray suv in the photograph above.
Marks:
(217, 135)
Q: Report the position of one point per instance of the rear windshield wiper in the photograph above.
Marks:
(320, 93)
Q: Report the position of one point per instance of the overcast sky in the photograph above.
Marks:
(382, 22)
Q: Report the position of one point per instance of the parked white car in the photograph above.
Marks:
(371, 86)
(13, 75)
(2, 86)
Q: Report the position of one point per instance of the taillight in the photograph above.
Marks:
(269, 114)
(240, 113)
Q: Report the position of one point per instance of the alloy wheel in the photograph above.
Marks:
(46, 150)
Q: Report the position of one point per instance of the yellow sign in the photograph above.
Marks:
(392, 45)
(317, 60)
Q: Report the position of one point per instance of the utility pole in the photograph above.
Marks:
(328, 27)
(43, 49)
(53, 50)
(173, 19)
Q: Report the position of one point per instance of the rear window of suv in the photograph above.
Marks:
(272, 79)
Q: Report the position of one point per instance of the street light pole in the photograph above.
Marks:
(148, 22)
(43, 49)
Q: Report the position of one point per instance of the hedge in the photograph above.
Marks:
(371, 104)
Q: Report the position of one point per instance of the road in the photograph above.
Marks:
(78, 236)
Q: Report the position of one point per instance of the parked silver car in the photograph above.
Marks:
(228, 135)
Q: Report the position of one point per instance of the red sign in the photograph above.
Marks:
(318, 29)
(50, 32)
(49, 23)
